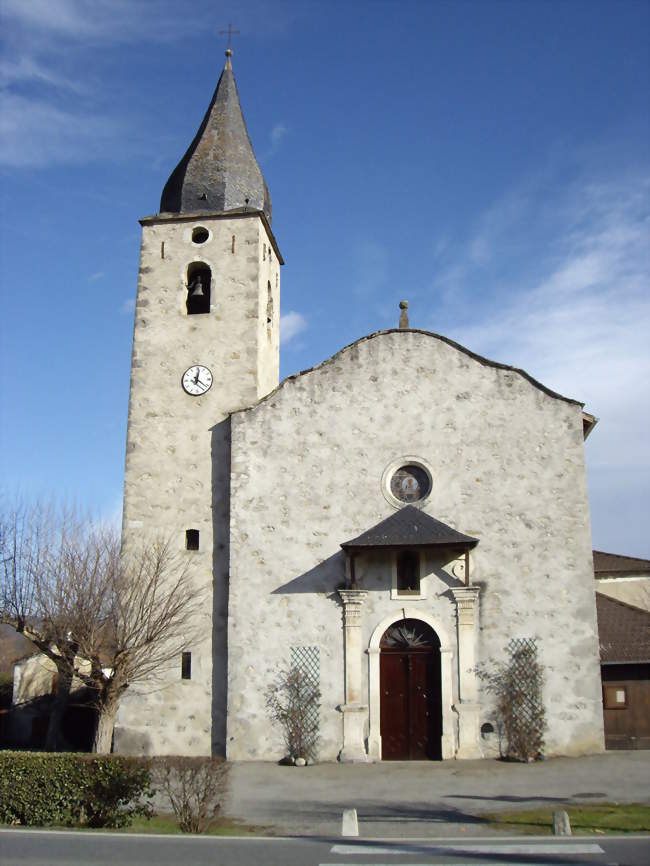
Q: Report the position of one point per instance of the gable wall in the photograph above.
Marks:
(508, 467)
(632, 589)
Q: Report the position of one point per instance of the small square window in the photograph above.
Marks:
(191, 539)
(408, 573)
(615, 697)
(186, 666)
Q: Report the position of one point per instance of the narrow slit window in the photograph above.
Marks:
(269, 305)
(408, 572)
(186, 666)
(191, 539)
(199, 280)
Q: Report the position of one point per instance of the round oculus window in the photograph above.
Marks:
(410, 483)
(200, 235)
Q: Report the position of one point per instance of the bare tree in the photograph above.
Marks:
(34, 599)
(142, 618)
(107, 616)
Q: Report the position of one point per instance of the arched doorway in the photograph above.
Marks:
(410, 689)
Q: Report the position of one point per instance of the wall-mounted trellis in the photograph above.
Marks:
(517, 685)
(521, 701)
(306, 659)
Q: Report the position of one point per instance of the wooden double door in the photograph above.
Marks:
(410, 702)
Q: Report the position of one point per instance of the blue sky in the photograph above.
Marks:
(487, 160)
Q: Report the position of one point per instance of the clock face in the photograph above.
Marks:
(197, 380)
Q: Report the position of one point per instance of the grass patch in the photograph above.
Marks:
(601, 818)
(168, 824)
(220, 827)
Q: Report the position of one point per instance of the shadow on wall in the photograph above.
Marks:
(327, 576)
(25, 725)
(221, 451)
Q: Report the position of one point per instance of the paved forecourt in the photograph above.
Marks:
(420, 799)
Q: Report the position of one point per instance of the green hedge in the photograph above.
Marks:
(39, 788)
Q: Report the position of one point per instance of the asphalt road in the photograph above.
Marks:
(60, 848)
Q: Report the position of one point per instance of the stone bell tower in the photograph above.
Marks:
(206, 343)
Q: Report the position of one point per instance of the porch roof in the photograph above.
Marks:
(409, 527)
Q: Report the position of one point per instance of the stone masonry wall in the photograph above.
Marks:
(507, 461)
(178, 450)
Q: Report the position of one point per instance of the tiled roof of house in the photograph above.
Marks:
(623, 631)
(410, 527)
(13, 648)
(615, 564)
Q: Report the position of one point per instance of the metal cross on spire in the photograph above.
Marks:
(229, 33)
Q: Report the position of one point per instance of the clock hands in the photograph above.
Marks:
(193, 383)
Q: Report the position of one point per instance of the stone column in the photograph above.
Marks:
(354, 712)
(466, 598)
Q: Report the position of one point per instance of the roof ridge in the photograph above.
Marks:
(621, 555)
(488, 362)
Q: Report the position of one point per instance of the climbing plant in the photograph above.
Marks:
(517, 686)
(293, 702)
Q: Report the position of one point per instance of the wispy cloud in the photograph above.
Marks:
(52, 105)
(576, 306)
(27, 69)
(560, 282)
(128, 306)
(36, 133)
(98, 275)
(291, 324)
(57, 104)
(99, 20)
(278, 134)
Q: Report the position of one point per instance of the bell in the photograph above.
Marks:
(197, 288)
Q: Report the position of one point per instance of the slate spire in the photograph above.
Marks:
(219, 171)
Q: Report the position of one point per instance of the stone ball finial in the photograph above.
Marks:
(403, 317)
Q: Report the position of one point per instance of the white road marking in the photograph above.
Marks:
(441, 849)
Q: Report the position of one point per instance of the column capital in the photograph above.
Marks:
(465, 598)
(353, 596)
(352, 600)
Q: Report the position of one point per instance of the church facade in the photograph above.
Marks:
(388, 521)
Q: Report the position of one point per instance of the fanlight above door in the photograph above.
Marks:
(409, 634)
